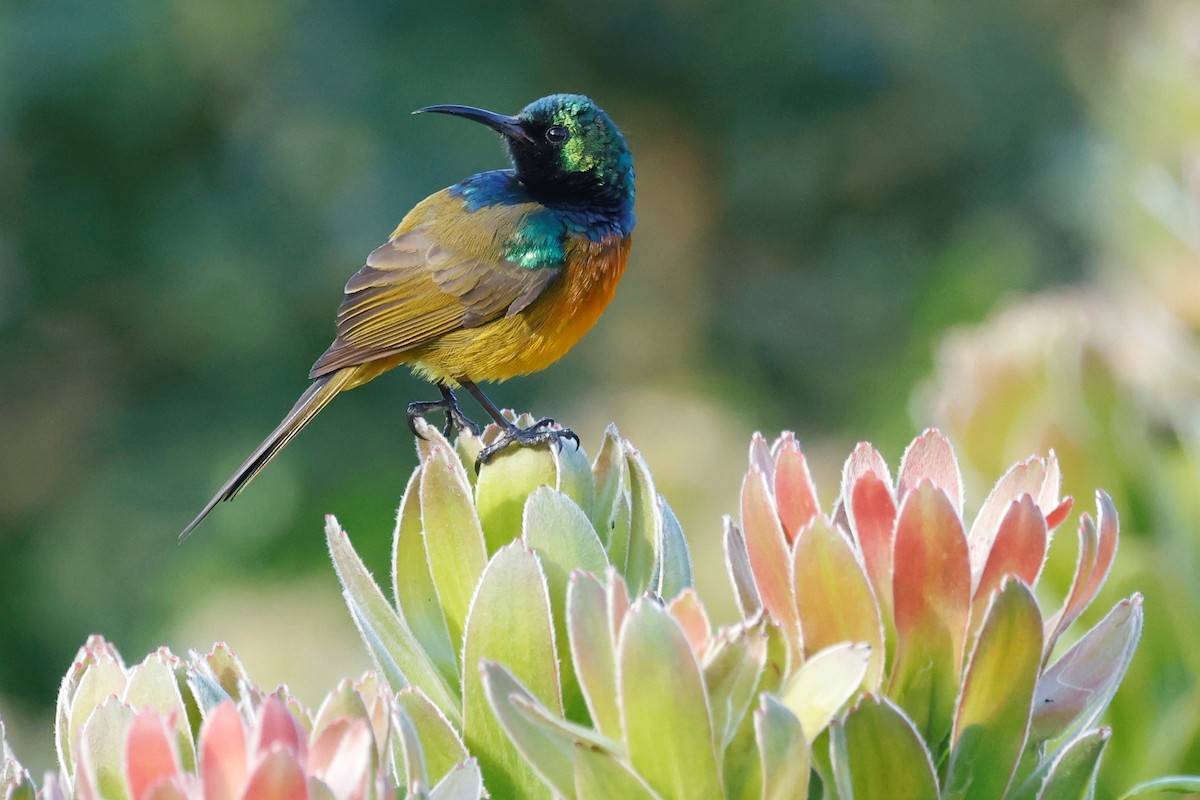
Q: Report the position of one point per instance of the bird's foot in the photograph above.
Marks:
(544, 430)
(456, 420)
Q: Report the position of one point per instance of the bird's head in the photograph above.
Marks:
(564, 147)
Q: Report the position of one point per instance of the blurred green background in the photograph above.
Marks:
(824, 189)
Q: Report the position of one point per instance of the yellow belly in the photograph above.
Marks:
(537, 336)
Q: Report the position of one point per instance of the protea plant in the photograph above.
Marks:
(963, 697)
(491, 572)
(168, 728)
(543, 639)
(546, 608)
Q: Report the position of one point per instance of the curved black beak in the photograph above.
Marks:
(509, 127)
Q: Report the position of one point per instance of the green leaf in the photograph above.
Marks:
(564, 539)
(551, 755)
(997, 697)
(931, 587)
(204, 686)
(833, 597)
(441, 746)
(574, 475)
(1032, 784)
(1073, 775)
(392, 645)
(741, 763)
(608, 476)
(674, 561)
(463, 782)
(619, 534)
(504, 485)
(617, 596)
(413, 588)
(552, 745)
(453, 537)
(467, 446)
(578, 735)
(822, 685)
(509, 623)
(646, 525)
(430, 438)
(821, 753)
(742, 772)
(193, 717)
(778, 664)
(102, 749)
(664, 709)
(601, 776)
(343, 702)
(102, 675)
(225, 669)
(1174, 784)
(152, 684)
(783, 749)
(17, 783)
(593, 650)
(878, 754)
(408, 753)
(1075, 690)
(731, 674)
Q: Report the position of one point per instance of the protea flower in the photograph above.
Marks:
(959, 700)
(167, 728)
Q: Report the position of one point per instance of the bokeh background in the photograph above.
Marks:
(855, 220)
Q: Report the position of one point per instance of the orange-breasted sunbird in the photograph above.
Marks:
(496, 276)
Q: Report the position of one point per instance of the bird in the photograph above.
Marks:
(494, 277)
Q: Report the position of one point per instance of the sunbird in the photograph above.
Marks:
(496, 276)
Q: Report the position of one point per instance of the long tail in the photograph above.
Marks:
(315, 398)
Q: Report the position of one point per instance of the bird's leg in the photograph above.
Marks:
(537, 433)
(456, 420)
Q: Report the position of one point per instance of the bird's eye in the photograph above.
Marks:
(557, 134)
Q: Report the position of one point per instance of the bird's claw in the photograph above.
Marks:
(418, 410)
(538, 433)
(456, 420)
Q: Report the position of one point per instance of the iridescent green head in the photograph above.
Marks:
(564, 148)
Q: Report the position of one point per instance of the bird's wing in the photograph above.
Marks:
(430, 279)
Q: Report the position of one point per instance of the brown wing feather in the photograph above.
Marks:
(414, 289)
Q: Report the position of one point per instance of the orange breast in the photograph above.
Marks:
(538, 336)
